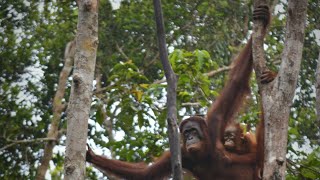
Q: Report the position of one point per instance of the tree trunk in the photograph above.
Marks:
(81, 90)
(277, 96)
(58, 108)
(318, 93)
(174, 138)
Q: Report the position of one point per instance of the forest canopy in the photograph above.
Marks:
(128, 112)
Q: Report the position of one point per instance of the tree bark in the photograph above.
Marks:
(277, 96)
(257, 44)
(318, 93)
(58, 108)
(174, 138)
(81, 90)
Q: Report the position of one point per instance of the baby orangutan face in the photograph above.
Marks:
(230, 137)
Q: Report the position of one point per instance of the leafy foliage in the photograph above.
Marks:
(32, 46)
(202, 36)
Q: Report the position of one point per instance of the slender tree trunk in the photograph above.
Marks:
(277, 96)
(318, 93)
(58, 108)
(174, 138)
(81, 90)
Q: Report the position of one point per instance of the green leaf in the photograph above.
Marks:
(162, 118)
(184, 78)
(99, 116)
(200, 58)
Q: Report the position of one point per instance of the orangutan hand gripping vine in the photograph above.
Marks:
(212, 148)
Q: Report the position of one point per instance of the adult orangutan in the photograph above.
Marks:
(206, 150)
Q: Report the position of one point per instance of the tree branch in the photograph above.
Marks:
(174, 138)
(220, 70)
(58, 108)
(121, 52)
(14, 142)
(191, 104)
(318, 92)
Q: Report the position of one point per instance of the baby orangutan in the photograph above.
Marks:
(235, 141)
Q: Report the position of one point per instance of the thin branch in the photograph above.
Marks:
(31, 140)
(121, 52)
(174, 138)
(163, 80)
(58, 108)
(220, 70)
(303, 166)
(191, 104)
(14, 142)
(291, 167)
(151, 62)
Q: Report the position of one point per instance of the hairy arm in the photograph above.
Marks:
(159, 169)
(232, 96)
